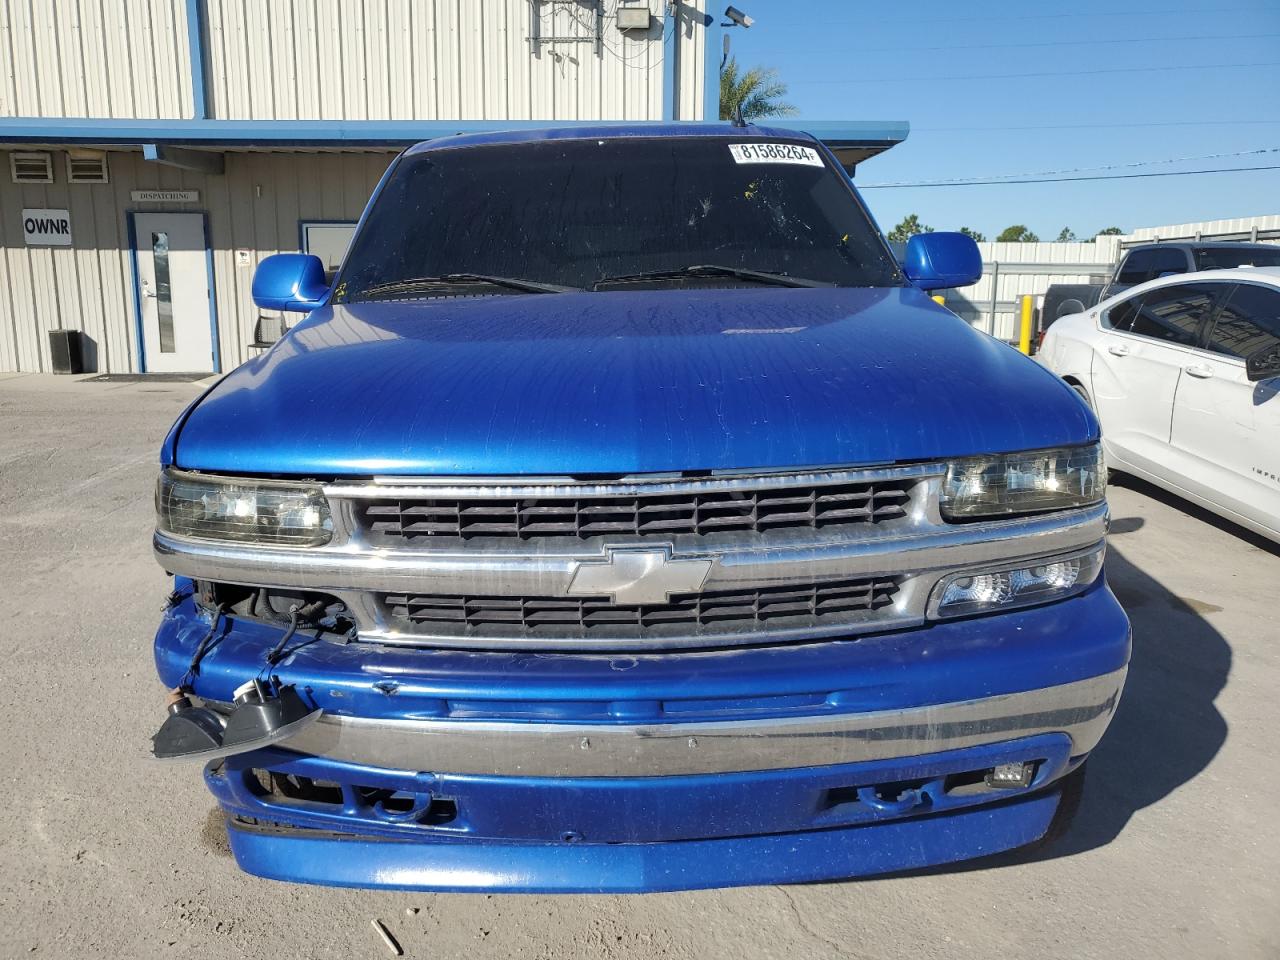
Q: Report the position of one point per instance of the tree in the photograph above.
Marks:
(1109, 232)
(758, 91)
(975, 235)
(1066, 236)
(1017, 234)
(908, 228)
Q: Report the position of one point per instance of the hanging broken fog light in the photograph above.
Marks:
(1039, 581)
(243, 510)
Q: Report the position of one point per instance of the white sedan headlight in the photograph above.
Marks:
(1032, 482)
(271, 512)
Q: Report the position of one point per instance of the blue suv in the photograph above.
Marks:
(624, 517)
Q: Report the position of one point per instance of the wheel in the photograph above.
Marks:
(1082, 394)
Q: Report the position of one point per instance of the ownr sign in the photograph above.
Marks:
(46, 228)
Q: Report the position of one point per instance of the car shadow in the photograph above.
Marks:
(1167, 727)
(1191, 509)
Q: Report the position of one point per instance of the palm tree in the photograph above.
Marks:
(757, 93)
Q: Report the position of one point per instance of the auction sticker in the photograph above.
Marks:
(775, 153)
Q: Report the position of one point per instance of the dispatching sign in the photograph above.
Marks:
(46, 228)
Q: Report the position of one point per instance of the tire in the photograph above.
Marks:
(1082, 393)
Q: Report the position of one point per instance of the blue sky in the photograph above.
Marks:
(1106, 81)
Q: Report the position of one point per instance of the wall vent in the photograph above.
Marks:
(31, 167)
(86, 166)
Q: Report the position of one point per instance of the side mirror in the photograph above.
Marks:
(1263, 364)
(940, 261)
(1068, 307)
(290, 281)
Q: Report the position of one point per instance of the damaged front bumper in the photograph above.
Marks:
(456, 770)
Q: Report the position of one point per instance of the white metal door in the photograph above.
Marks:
(173, 281)
(1137, 362)
(1226, 430)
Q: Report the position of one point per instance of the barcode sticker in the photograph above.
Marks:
(774, 153)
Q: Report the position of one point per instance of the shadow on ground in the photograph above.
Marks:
(1167, 728)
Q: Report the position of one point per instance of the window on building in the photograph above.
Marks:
(1248, 322)
(328, 240)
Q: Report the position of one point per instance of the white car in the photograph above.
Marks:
(1184, 374)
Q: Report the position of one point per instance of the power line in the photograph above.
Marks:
(1052, 73)
(1059, 43)
(1105, 176)
(1098, 126)
(1106, 166)
(915, 22)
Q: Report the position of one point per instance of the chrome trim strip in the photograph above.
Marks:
(644, 485)
(920, 552)
(752, 561)
(1082, 710)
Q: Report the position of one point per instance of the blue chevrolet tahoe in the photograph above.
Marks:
(623, 517)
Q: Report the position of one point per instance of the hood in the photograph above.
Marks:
(627, 382)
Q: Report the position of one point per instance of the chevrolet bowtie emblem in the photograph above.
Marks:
(628, 575)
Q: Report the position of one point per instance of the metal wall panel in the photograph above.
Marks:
(89, 58)
(256, 206)
(444, 60)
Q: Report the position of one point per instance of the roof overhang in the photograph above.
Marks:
(851, 142)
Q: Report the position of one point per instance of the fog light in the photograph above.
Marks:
(1011, 776)
(985, 591)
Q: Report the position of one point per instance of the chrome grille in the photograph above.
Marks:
(392, 520)
(710, 613)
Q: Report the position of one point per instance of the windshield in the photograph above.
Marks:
(1223, 258)
(571, 213)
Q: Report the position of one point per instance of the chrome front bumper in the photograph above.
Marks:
(1082, 710)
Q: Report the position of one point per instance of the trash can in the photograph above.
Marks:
(66, 347)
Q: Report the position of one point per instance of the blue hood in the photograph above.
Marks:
(628, 382)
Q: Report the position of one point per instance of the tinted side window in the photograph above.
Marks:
(1219, 258)
(1174, 314)
(1136, 267)
(1143, 265)
(1168, 260)
(1250, 321)
(1120, 317)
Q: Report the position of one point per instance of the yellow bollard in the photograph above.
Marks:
(1028, 312)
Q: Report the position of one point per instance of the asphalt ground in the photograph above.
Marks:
(105, 853)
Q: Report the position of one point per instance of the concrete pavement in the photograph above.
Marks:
(1176, 851)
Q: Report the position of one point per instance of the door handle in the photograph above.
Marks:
(1201, 371)
(1118, 350)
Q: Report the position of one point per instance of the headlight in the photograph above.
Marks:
(1029, 482)
(248, 511)
(1002, 588)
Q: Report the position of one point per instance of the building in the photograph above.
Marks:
(154, 151)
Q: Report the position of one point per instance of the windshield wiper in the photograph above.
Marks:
(459, 279)
(715, 270)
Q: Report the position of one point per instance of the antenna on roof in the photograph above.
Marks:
(737, 115)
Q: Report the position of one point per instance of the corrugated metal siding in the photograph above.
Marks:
(1206, 229)
(88, 286)
(440, 60)
(90, 58)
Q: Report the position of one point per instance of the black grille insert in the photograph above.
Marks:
(713, 612)
(659, 515)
